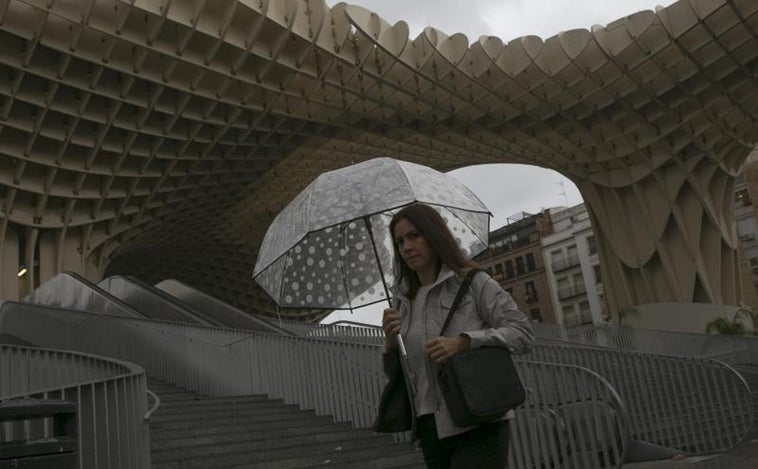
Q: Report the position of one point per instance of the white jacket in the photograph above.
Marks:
(486, 313)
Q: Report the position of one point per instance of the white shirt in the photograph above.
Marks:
(415, 339)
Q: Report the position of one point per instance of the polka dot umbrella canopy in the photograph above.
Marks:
(331, 247)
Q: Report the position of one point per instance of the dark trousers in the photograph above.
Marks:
(484, 447)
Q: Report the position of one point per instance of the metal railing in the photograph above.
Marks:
(109, 395)
(731, 349)
(673, 400)
(692, 404)
(343, 330)
(572, 418)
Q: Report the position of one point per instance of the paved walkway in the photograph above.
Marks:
(742, 457)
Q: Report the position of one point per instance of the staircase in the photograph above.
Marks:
(193, 431)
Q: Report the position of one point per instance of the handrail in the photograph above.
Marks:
(155, 406)
(339, 378)
(733, 349)
(351, 323)
(628, 384)
(694, 404)
(90, 369)
(105, 390)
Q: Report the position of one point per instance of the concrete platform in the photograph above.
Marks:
(742, 457)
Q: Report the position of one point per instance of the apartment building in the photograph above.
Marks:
(515, 260)
(573, 268)
(745, 189)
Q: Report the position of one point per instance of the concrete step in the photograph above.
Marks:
(399, 459)
(224, 414)
(360, 452)
(176, 395)
(209, 406)
(294, 417)
(192, 431)
(245, 427)
(246, 434)
(352, 449)
(260, 443)
(238, 426)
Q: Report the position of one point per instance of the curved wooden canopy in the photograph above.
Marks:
(159, 138)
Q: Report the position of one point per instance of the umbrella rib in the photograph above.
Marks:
(474, 232)
(407, 178)
(288, 254)
(343, 241)
(369, 227)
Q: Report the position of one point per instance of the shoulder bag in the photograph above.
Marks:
(481, 384)
(395, 413)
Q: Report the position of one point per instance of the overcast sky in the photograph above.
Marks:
(506, 189)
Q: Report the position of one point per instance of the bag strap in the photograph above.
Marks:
(458, 297)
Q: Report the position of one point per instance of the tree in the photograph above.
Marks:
(724, 327)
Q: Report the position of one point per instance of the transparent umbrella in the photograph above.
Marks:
(330, 248)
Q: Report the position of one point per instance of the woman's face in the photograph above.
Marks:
(414, 250)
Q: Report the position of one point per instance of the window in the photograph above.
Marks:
(572, 251)
(742, 197)
(598, 278)
(530, 266)
(573, 256)
(531, 292)
(591, 247)
(564, 288)
(585, 315)
(569, 315)
(754, 265)
(497, 272)
(520, 265)
(579, 283)
(535, 315)
(509, 269)
(603, 313)
(557, 257)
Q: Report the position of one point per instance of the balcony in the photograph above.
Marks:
(564, 264)
(585, 316)
(570, 292)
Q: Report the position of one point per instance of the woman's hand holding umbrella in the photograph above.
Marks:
(391, 326)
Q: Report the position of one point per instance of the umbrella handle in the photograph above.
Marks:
(401, 347)
(410, 382)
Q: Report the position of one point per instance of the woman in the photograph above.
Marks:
(429, 268)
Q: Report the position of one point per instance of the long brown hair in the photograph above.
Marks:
(434, 229)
